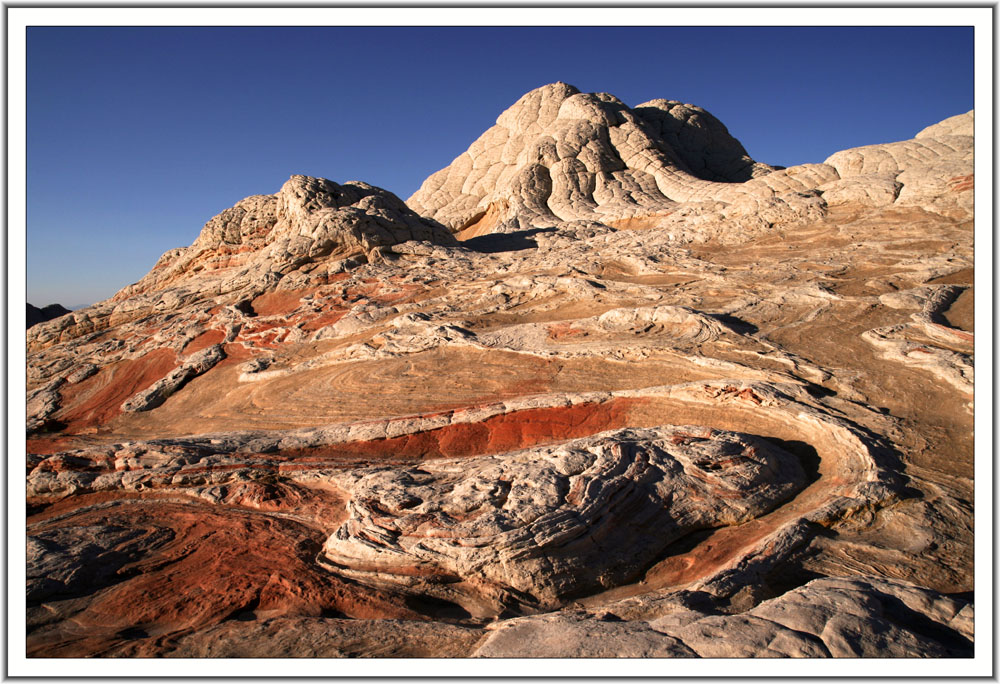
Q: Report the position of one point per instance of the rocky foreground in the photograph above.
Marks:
(605, 386)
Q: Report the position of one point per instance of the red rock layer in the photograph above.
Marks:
(98, 399)
(505, 432)
(221, 563)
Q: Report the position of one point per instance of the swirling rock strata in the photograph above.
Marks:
(265, 237)
(548, 523)
(390, 441)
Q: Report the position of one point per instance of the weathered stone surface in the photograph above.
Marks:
(960, 124)
(572, 635)
(873, 191)
(43, 402)
(870, 618)
(79, 560)
(547, 523)
(194, 365)
(328, 638)
(265, 237)
(928, 342)
(561, 155)
(859, 617)
(390, 442)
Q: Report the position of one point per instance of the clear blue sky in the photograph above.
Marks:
(137, 136)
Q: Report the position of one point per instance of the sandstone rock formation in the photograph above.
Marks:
(551, 522)
(310, 223)
(848, 618)
(606, 386)
(560, 155)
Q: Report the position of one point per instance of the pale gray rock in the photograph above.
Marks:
(300, 637)
(961, 124)
(746, 636)
(42, 403)
(928, 342)
(266, 237)
(871, 191)
(81, 373)
(562, 155)
(575, 635)
(701, 141)
(869, 617)
(828, 617)
(547, 522)
(76, 560)
(932, 170)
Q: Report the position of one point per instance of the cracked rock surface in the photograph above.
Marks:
(605, 386)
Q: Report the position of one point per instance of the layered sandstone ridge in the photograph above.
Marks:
(653, 399)
(560, 155)
(265, 237)
(311, 230)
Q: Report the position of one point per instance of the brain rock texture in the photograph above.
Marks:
(560, 155)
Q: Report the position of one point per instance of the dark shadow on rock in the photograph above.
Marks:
(791, 573)
(50, 427)
(246, 308)
(701, 601)
(805, 452)
(734, 323)
(72, 561)
(685, 544)
(818, 391)
(436, 607)
(132, 633)
(246, 612)
(505, 242)
(33, 509)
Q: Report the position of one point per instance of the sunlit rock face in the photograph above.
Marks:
(560, 155)
(264, 238)
(605, 386)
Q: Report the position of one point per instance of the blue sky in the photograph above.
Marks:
(138, 136)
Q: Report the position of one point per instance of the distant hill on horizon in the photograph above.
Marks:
(47, 313)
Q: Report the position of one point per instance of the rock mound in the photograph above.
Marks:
(309, 232)
(546, 523)
(266, 237)
(560, 155)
